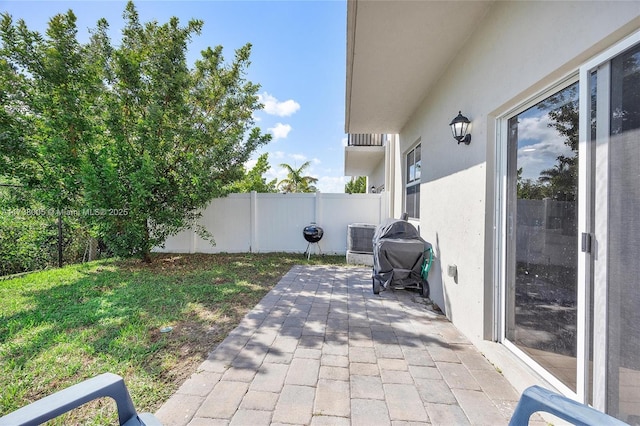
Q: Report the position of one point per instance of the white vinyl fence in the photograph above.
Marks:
(263, 223)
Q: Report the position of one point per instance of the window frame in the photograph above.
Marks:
(412, 183)
(504, 226)
(596, 154)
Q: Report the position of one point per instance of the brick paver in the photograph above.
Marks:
(332, 398)
(366, 387)
(402, 401)
(223, 401)
(321, 349)
(295, 405)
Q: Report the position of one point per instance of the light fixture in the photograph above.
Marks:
(459, 128)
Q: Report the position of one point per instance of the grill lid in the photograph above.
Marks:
(312, 233)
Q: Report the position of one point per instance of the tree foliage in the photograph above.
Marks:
(559, 182)
(29, 235)
(296, 181)
(48, 93)
(254, 179)
(356, 185)
(131, 135)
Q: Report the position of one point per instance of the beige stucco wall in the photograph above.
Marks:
(518, 50)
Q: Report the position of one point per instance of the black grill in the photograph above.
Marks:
(312, 233)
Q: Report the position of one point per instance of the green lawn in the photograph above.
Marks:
(61, 326)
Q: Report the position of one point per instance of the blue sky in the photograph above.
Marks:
(298, 58)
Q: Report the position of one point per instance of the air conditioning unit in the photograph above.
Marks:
(360, 238)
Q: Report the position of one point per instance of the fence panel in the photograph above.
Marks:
(179, 243)
(280, 219)
(228, 221)
(338, 211)
(274, 222)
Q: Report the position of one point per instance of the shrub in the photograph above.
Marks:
(30, 243)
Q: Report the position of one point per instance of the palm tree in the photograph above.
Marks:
(356, 185)
(295, 181)
(562, 179)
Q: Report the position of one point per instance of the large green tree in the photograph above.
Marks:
(130, 135)
(254, 179)
(47, 93)
(296, 181)
(49, 96)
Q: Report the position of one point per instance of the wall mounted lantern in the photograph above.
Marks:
(459, 128)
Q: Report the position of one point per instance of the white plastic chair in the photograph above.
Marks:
(104, 385)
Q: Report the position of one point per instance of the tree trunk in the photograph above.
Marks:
(146, 250)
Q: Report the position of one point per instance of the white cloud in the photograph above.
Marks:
(250, 164)
(541, 148)
(536, 128)
(300, 159)
(280, 131)
(273, 106)
(332, 184)
(275, 172)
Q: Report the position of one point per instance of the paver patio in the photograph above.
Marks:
(321, 349)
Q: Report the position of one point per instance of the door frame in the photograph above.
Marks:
(503, 227)
(587, 276)
(594, 159)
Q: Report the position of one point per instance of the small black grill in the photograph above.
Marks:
(313, 234)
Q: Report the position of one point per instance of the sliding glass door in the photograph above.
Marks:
(616, 258)
(570, 233)
(541, 246)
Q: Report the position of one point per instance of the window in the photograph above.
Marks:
(412, 193)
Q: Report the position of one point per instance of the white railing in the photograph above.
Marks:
(264, 223)
(365, 139)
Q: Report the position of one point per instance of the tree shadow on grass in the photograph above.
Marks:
(109, 320)
(117, 317)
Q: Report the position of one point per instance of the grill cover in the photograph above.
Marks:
(398, 252)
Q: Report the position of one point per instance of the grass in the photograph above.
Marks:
(61, 326)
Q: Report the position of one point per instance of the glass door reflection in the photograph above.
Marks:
(542, 169)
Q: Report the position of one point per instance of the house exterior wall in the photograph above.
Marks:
(377, 176)
(518, 50)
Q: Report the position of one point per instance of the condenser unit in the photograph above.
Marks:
(360, 238)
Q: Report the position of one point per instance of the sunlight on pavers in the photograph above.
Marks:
(320, 348)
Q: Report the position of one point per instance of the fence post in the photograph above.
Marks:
(59, 240)
(194, 238)
(318, 218)
(253, 226)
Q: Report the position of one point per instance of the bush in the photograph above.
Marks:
(30, 243)
(21, 241)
